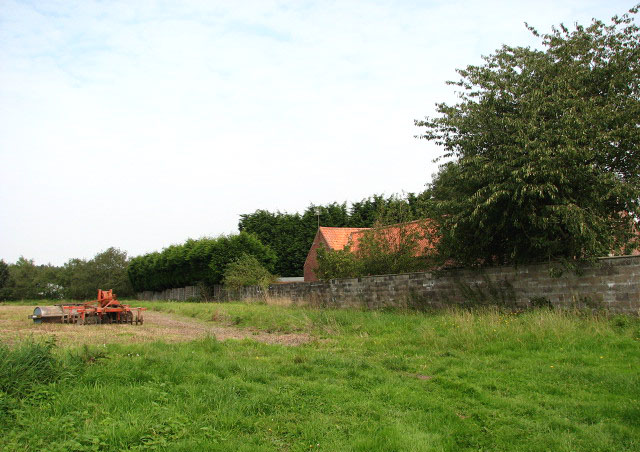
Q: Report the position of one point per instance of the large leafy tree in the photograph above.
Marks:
(545, 147)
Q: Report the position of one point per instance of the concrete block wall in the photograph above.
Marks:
(178, 294)
(612, 284)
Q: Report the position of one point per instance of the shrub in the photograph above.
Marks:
(247, 271)
(394, 249)
(337, 264)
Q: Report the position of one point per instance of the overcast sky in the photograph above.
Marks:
(138, 124)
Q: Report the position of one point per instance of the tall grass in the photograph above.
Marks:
(30, 369)
(24, 370)
(28, 365)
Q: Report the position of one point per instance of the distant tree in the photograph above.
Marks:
(548, 150)
(81, 279)
(110, 270)
(284, 233)
(23, 280)
(28, 281)
(364, 213)
(76, 280)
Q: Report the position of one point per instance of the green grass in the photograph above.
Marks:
(369, 381)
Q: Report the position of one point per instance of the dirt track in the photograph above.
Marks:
(15, 325)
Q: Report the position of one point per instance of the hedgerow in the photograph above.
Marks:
(195, 262)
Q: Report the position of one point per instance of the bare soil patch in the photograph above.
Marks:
(14, 326)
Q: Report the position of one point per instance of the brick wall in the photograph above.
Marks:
(311, 262)
(613, 284)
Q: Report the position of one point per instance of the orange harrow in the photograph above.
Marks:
(106, 309)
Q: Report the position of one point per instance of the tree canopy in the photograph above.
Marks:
(546, 149)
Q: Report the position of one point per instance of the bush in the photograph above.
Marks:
(334, 264)
(395, 249)
(247, 271)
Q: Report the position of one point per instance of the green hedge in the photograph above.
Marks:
(195, 262)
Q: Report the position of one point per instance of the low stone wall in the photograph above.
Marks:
(612, 284)
(179, 294)
(199, 293)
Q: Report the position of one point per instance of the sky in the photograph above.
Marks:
(138, 124)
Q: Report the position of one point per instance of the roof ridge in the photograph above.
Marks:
(340, 227)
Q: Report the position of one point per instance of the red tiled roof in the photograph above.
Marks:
(393, 234)
(338, 238)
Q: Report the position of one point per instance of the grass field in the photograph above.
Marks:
(282, 378)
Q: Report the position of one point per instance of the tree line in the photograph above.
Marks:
(202, 261)
(274, 243)
(277, 241)
(76, 279)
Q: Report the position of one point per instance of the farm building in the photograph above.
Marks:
(334, 238)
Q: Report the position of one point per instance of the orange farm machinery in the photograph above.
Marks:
(106, 309)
